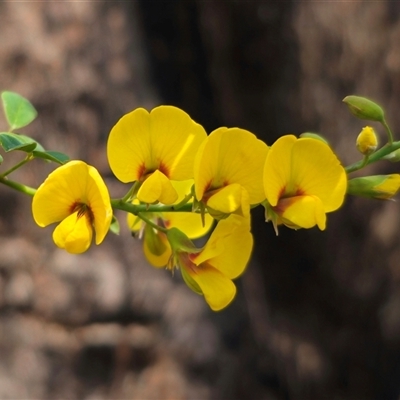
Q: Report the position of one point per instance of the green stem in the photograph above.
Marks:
(18, 186)
(135, 209)
(16, 166)
(131, 191)
(184, 201)
(378, 155)
(388, 131)
(151, 223)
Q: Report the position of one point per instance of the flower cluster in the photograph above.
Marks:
(187, 185)
(184, 183)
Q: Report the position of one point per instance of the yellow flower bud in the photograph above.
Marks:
(367, 142)
(382, 187)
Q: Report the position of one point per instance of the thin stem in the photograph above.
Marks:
(378, 155)
(152, 224)
(184, 201)
(131, 191)
(135, 209)
(16, 166)
(18, 186)
(388, 131)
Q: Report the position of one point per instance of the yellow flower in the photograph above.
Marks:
(228, 171)
(224, 257)
(154, 148)
(382, 187)
(367, 142)
(155, 243)
(76, 195)
(303, 180)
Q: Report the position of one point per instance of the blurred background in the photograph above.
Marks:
(317, 315)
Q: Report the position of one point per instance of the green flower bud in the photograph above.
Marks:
(367, 142)
(364, 109)
(382, 187)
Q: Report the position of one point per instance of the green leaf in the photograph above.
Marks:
(54, 156)
(114, 227)
(12, 141)
(18, 110)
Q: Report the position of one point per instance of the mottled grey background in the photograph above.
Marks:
(317, 315)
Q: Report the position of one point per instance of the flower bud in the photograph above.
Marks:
(382, 187)
(367, 142)
(364, 109)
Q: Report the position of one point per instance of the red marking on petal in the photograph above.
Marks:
(164, 169)
(141, 171)
(281, 192)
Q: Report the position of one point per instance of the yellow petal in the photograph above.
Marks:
(316, 171)
(175, 140)
(229, 247)
(277, 168)
(183, 188)
(229, 156)
(157, 187)
(189, 223)
(98, 200)
(129, 146)
(388, 188)
(218, 290)
(74, 234)
(228, 199)
(165, 139)
(302, 212)
(156, 247)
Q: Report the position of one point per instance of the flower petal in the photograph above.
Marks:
(229, 199)
(231, 155)
(175, 140)
(157, 187)
(302, 212)
(277, 168)
(229, 247)
(74, 233)
(129, 146)
(98, 200)
(218, 290)
(317, 171)
(189, 223)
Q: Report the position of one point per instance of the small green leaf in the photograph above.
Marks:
(18, 110)
(54, 156)
(1, 159)
(11, 141)
(114, 227)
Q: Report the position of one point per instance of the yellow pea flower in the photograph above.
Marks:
(76, 195)
(228, 171)
(209, 272)
(154, 148)
(303, 180)
(156, 247)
